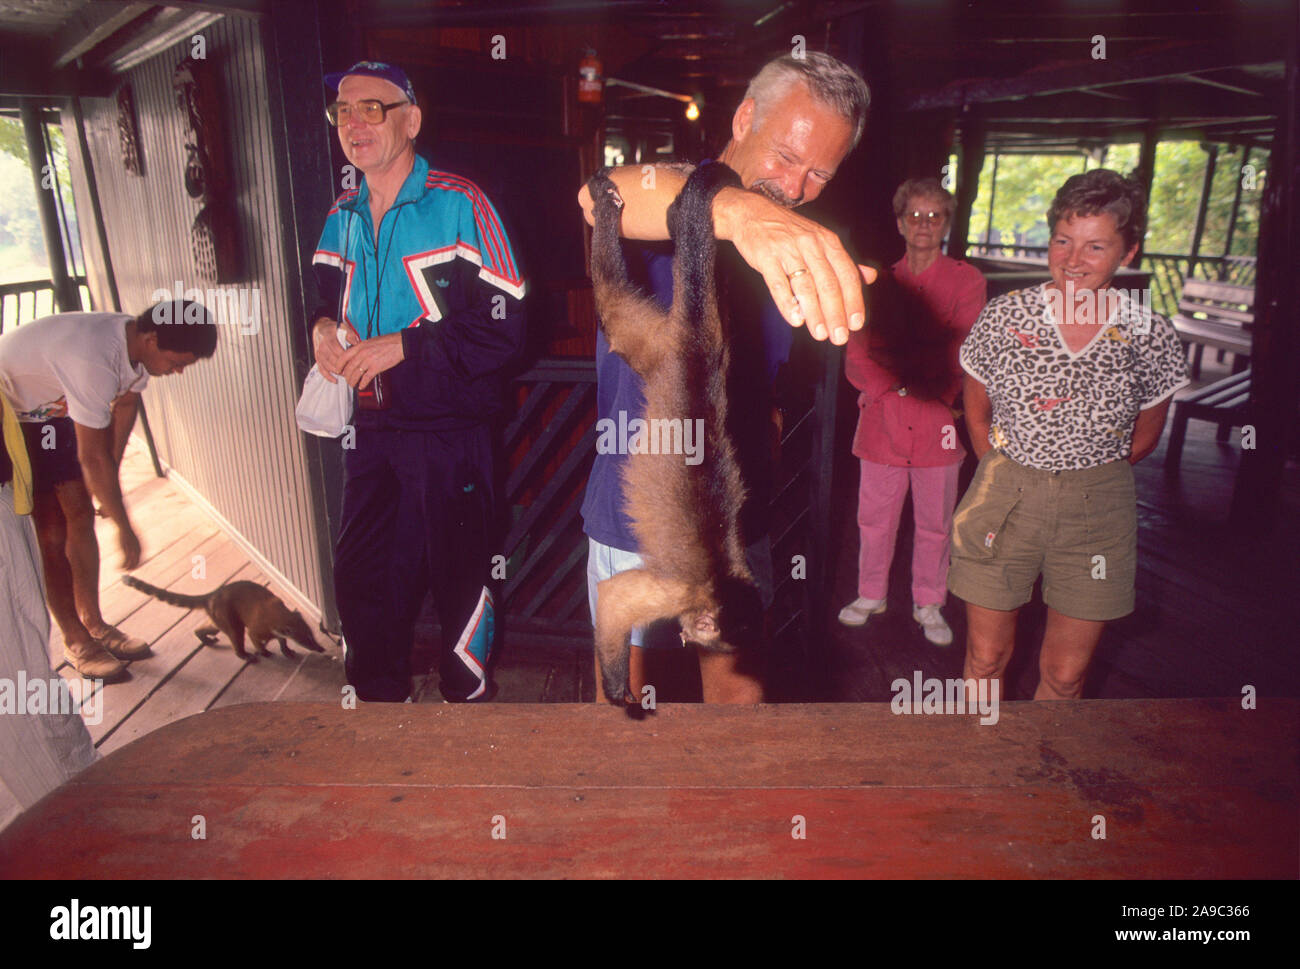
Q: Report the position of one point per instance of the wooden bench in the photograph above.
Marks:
(1218, 315)
(1226, 402)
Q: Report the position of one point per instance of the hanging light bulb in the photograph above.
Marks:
(692, 112)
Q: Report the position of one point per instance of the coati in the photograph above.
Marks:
(236, 607)
(684, 514)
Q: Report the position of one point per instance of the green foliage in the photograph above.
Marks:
(12, 141)
(22, 248)
(1027, 183)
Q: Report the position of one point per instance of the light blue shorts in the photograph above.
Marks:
(604, 561)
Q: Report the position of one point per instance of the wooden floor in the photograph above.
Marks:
(1096, 789)
(182, 677)
(1212, 617)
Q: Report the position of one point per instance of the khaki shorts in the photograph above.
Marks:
(1078, 529)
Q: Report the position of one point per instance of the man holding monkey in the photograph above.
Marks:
(799, 119)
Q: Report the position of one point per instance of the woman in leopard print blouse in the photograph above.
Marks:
(1067, 386)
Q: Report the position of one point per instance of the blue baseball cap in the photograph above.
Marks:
(394, 75)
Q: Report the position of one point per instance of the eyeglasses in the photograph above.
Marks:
(916, 218)
(371, 112)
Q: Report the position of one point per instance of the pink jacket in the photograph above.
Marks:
(896, 429)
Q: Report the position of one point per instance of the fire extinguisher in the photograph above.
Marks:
(591, 85)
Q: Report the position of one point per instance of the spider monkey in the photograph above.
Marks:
(684, 515)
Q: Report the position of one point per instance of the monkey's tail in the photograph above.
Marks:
(171, 598)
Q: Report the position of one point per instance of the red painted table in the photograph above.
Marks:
(1186, 788)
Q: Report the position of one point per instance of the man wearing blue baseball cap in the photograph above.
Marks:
(417, 275)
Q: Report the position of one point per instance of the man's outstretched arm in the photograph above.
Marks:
(777, 242)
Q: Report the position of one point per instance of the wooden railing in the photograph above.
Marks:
(551, 443)
(31, 299)
(1168, 270)
(1036, 254)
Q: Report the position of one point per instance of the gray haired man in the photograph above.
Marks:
(798, 120)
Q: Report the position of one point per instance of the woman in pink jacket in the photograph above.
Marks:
(905, 365)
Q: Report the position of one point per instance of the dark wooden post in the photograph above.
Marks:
(292, 37)
(1275, 351)
(993, 198)
(1146, 173)
(66, 297)
(1207, 185)
(1236, 207)
(972, 162)
(96, 211)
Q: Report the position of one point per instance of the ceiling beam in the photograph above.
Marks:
(168, 26)
(1213, 82)
(1145, 102)
(90, 26)
(1171, 62)
(25, 71)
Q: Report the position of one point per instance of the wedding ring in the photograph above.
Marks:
(797, 272)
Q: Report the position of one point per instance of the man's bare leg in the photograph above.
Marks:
(52, 536)
(636, 670)
(725, 682)
(82, 548)
(1068, 648)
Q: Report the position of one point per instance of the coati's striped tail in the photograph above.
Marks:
(171, 598)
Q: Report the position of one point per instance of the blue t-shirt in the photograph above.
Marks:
(760, 344)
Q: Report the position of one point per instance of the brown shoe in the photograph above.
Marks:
(121, 645)
(93, 662)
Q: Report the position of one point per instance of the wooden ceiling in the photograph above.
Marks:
(1209, 70)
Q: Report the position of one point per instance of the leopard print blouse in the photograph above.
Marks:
(1058, 410)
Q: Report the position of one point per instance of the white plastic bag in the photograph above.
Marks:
(325, 408)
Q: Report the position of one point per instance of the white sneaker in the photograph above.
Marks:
(857, 611)
(936, 630)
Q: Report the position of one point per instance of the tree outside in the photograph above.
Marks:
(22, 248)
(1026, 184)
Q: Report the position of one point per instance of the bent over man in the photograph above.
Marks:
(74, 380)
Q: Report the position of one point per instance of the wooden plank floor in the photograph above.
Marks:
(182, 677)
(1185, 788)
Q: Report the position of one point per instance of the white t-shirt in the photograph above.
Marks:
(1057, 409)
(69, 365)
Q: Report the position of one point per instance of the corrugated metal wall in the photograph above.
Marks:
(226, 425)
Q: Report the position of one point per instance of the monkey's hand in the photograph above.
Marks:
(813, 281)
(603, 191)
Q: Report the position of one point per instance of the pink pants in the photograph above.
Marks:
(880, 504)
